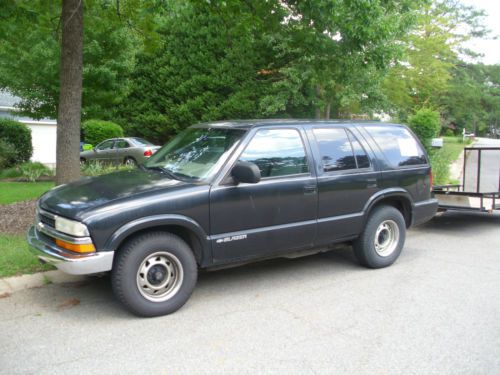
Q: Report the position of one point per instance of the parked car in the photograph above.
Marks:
(129, 151)
(227, 193)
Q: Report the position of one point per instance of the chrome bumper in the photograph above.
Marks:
(75, 264)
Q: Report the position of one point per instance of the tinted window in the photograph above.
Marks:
(359, 152)
(398, 145)
(277, 152)
(335, 149)
(105, 145)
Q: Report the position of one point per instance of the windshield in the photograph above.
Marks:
(196, 153)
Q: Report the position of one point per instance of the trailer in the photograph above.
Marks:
(480, 188)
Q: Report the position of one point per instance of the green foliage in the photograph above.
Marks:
(473, 101)
(96, 131)
(7, 154)
(425, 124)
(33, 171)
(441, 159)
(449, 133)
(19, 136)
(422, 77)
(16, 258)
(239, 59)
(96, 168)
(29, 61)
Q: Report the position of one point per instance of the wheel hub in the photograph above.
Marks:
(159, 276)
(386, 238)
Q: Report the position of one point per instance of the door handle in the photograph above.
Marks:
(309, 189)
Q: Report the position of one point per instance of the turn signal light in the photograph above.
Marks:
(78, 248)
(148, 153)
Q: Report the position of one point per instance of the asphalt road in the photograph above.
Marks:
(435, 311)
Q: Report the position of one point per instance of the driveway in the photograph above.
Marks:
(436, 311)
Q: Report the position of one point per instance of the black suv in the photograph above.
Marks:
(224, 193)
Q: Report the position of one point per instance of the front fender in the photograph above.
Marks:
(158, 221)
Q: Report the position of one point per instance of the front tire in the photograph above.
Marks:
(154, 274)
(383, 238)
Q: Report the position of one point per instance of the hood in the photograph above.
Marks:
(72, 199)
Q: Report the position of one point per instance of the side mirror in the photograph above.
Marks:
(244, 171)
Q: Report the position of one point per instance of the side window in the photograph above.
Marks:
(359, 152)
(277, 152)
(122, 144)
(398, 145)
(335, 149)
(105, 145)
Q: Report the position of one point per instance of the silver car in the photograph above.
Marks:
(128, 151)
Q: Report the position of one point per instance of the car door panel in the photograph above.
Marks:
(275, 215)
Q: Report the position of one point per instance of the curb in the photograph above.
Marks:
(9, 285)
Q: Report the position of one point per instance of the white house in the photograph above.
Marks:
(43, 132)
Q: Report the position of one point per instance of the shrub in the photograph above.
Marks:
(96, 131)
(19, 136)
(449, 133)
(425, 124)
(97, 168)
(33, 171)
(7, 154)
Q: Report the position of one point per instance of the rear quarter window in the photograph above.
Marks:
(399, 146)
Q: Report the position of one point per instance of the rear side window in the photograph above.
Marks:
(340, 150)
(277, 152)
(398, 145)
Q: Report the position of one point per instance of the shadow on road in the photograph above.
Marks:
(94, 297)
(454, 221)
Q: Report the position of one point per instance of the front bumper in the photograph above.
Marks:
(66, 261)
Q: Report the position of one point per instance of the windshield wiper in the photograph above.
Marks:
(163, 170)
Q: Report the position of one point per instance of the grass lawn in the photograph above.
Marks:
(16, 259)
(441, 159)
(11, 192)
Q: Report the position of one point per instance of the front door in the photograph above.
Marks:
(274, 215)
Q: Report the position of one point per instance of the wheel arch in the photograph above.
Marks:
(397, 198)
(187, 229)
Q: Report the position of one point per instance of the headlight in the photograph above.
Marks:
(74, 228)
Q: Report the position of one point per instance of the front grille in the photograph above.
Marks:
(47, 220)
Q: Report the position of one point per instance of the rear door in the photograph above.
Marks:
(346, 181)
(275, 215)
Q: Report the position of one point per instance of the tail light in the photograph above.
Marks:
(148, 153)
(430, 179)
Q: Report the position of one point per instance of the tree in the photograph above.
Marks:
(70, 97)
(421, 79)
(240, 59)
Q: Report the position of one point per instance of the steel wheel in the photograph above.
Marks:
(386, 238)
(160, 276)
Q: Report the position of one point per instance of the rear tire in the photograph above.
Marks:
(82, 162)
(383, 238)
(154, 274)
(130, 162)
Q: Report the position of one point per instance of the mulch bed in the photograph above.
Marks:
(16, 218)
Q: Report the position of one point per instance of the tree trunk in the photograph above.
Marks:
(327, 111)
(70, 97)
(318, 108)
